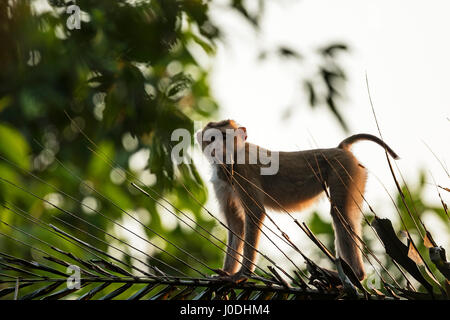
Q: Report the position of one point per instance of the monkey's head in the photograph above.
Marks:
(221, 140)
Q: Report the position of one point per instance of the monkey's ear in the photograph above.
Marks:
(242, 132)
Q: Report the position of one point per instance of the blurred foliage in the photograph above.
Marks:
(127, 78)
(325, 86)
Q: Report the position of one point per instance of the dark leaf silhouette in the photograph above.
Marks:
(397, 250)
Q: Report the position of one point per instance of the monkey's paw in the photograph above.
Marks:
(222, 272)
(239, 277)
(220, 275)
(227, 277)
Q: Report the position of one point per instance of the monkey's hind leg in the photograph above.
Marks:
(346, 203)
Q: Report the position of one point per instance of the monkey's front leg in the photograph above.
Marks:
(235, 220)
(254, 217)
(234, 251)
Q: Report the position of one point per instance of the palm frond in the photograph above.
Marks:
(31, 280)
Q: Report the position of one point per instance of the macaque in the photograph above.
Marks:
(296, 179)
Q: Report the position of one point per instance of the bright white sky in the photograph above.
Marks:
(404, 46)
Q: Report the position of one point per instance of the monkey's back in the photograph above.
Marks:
(298, 181)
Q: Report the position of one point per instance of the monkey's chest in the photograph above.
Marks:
(222, 187)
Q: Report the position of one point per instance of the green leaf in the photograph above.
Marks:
(319, 226)
(14, 146)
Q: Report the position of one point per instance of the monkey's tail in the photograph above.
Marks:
(346, 143)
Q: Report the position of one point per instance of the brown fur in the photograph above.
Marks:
(300, 180)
